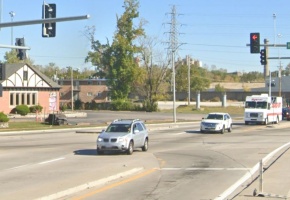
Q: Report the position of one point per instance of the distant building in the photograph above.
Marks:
(85, 90)
(182, 61)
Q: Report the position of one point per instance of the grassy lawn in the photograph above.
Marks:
(33, 125)
(205, 110)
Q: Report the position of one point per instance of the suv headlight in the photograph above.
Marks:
(100, 139)
(122, 139)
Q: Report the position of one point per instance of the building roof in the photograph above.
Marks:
(10, 69)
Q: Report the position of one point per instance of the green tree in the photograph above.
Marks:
(11, 57)
(118, 59)
(198, 78)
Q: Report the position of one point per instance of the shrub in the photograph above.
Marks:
(63, 107)
(3, 117)
(37, 108)
(121, 104)
(150, 107)
(22, 109)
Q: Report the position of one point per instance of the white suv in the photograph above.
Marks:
(216, 122)
(123, 135)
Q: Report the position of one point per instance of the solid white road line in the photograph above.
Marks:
(249, 174)
(90, 184)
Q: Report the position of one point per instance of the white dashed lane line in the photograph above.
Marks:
(40, 163)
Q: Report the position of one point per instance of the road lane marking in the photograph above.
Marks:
(31, 164)
(92, 184)
(49, 161)
(137, 176)
(206, 169)
(249, 174)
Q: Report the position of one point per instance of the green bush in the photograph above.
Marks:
(22, 109)
(121, 104)
(150, 107)
(37, 108)
(63, 107)
(3, 117)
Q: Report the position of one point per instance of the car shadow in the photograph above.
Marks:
(86, 152)
(93, 152)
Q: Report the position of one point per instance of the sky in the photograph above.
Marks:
(215, 32)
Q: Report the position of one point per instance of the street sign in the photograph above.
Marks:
(288, 45)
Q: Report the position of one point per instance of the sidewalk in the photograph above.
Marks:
(276, 181)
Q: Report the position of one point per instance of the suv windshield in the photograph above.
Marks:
(215, 116)
(118, 128)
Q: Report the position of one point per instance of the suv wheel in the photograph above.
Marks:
(130, 148)
(223, 130)
(145, 147)
(230, 128)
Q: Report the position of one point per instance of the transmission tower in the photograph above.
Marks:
(173, 46)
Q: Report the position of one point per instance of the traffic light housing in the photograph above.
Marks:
(48, 11)
(21, 53)
(263, 57)
(255, 42)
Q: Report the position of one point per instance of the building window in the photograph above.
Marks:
(89, 94)
(23, 98)
(25, 75)
(28, 99)
(11, 98)
(33, 99)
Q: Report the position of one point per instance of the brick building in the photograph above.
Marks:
(85, 90)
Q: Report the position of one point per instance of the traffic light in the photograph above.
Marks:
(255, 42)
(48, 11)
(21, 53)
(263, 57)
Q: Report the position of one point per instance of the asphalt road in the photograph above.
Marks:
(181, 163)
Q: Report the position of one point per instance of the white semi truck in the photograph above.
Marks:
(263, 109)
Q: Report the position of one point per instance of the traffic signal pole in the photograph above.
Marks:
(39, 21)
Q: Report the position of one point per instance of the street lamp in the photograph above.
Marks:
(12, 14)
(72, 88)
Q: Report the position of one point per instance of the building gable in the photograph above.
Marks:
(23, 75)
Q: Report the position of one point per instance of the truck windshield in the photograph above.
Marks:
(255, 104)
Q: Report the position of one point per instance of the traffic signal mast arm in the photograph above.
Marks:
(41, 21)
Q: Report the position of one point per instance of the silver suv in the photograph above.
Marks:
(123, 135)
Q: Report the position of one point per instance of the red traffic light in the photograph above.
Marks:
(255, 42)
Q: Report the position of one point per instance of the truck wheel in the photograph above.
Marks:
(277, 120)
(266, 121)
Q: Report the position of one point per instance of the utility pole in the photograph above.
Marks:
(188, 77)
(266, 67)
(173, 47)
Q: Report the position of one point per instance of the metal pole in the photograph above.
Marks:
(270, 83)
(188, 77)
(72, 91)
(261, 177)
(174, 96)
(12, 14)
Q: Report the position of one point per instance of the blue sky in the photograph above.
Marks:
(214, 32)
